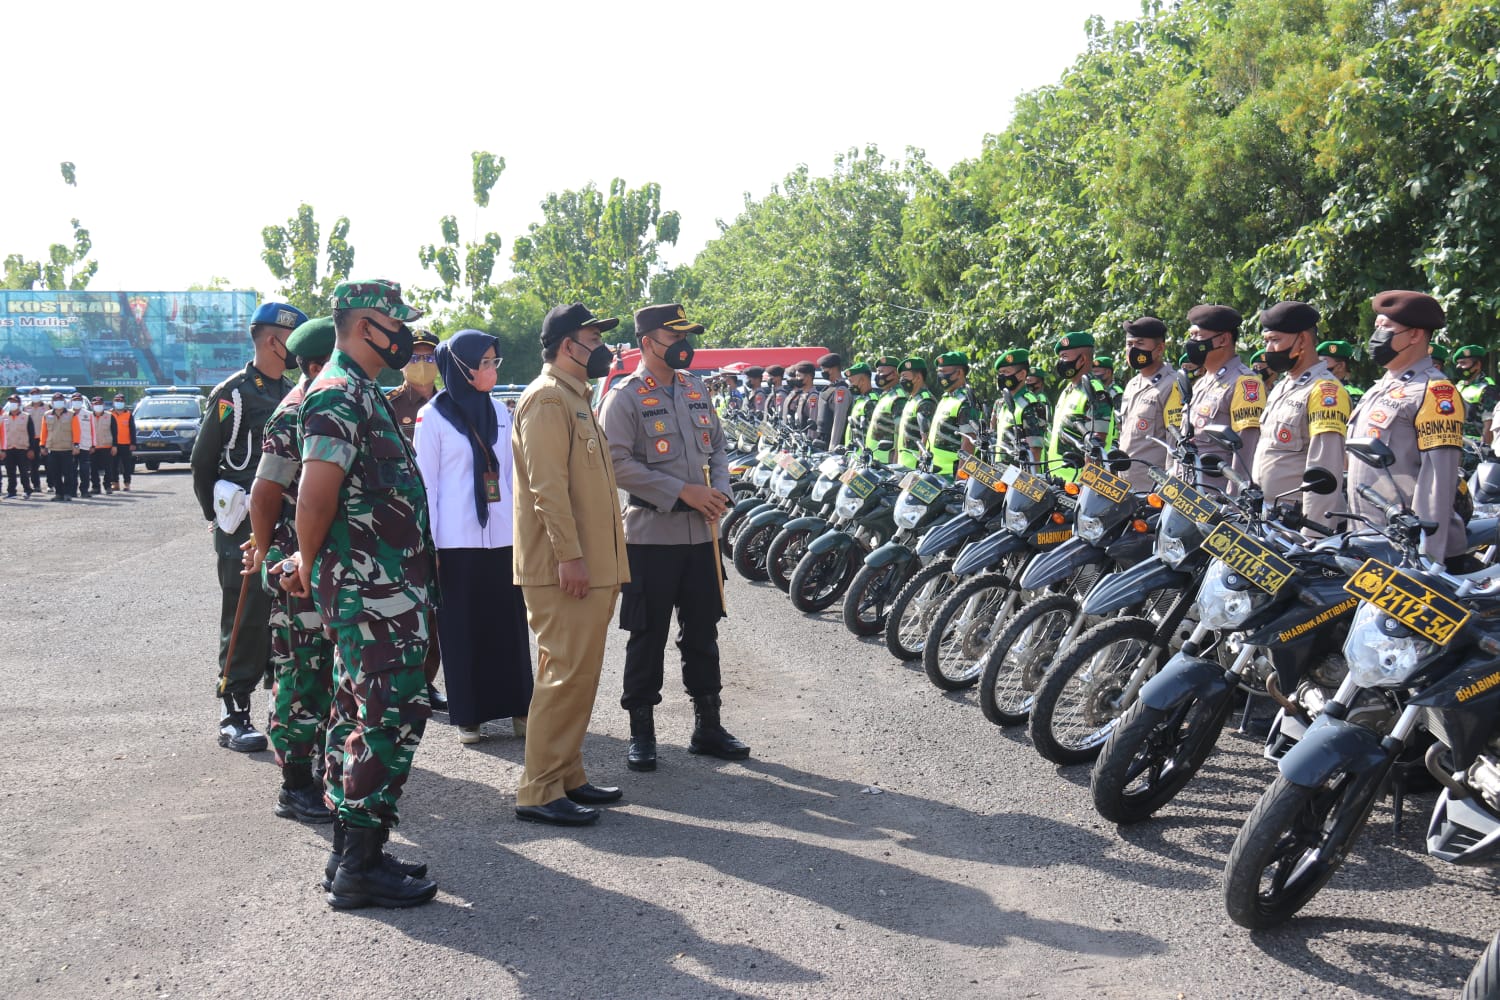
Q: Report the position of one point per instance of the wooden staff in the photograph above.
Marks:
(234, 631)
(718, 564)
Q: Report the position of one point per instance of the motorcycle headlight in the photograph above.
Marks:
(909, 512)
(820, 489)
(848, 502)
(761, 477)
(1090, 529)
(831, 466)
(1016, 521)
(973, 506)
(1221, 606)
(1173, 550)
(782, 486)
(1380, 651)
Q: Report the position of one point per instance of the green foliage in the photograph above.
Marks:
(477, 264)
(293, 252)
(70, 174)
(66, 267)
(515, 317)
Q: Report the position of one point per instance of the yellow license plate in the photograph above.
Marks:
(987, 475)
(1184, 498)
(1030, 487)
(1251, 558)
(1411, 602)
(1103, 482)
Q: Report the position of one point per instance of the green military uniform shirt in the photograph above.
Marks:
(858, 426)
(956, 415)
(885, 415)
(1019, 422)
(1084, 411)
(228, 450)
(916, 417)
(1480, 396)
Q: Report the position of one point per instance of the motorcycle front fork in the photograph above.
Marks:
(1148, 666)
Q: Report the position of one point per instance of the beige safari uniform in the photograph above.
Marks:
(661, 437)
(1149, 407)
(566, 507)
(1420, 415)
(1303, 428)
(1232, 397)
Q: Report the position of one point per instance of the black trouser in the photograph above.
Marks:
(122, 466)
(17, 467)
(36, 469)
(100, 468)
(663, 577)
(85, 467)
(62, 472)
(252, 646)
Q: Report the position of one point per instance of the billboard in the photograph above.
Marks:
(123, 338)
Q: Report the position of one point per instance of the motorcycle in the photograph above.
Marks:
(790, 543)
(866, 506)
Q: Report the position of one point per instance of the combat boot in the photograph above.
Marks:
(236, 731)
(642, 753)
(362, 878)
(300, 798)
(415, 869)
(711, 738)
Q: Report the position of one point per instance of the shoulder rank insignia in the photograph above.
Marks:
(707, 441)
(648, 382)
(695, 394)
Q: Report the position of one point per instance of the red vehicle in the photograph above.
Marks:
(707, 360)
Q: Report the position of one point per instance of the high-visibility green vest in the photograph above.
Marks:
(1013, 438)
(858, 421)
(883, 417)
(909, 434)
(944, 440)
(1478, 396)
(1072, 414)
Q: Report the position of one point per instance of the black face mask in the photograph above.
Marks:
(1382, 350)
(1007, 382)
(1197, 351)
(1280, 361)
(884, 381)
(908, 384)
(1138, 358)
(596, 365)
(398, 352)
(1065, 369)
(946, 382)
(677, 356)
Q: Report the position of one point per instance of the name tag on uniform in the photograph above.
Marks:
(492, 487)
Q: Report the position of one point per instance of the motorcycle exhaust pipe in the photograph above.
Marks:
(1273, 688)
(1435, 768)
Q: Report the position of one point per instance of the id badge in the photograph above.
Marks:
(492, 487)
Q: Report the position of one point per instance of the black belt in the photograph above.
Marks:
(677, 508)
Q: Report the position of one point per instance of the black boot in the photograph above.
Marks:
(435, 698)
(711, 738)
(300, 798)
(415, 869)
(236, 731)
(362, 879)
(642, 753)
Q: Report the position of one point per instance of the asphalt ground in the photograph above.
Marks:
(883, 841)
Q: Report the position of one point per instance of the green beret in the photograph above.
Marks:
(1104, 361)
(313, 339)
(1470, 351)
(858, 368)
(1439, 353)
(914, 365)
(954, 358)
(1337, 349)
(1014, 356)
(1257, 356)
(887, 361)
(1079, 339)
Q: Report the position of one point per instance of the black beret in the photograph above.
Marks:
(754, 371)
(775, 370)
(1147, 326)
(1220, 319)
(1289, 317)
(1414, 309)
(805, 367)
(831, 361)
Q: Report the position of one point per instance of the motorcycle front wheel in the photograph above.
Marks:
(1078, 701)
(750, 551)
(1152, 754)
(1020, 656)
(869, 594)
(821, 578)
(962, 629)
(784, 553)
(911, 612)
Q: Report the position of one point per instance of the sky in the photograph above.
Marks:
(193, 126)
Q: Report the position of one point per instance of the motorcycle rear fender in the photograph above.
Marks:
(945, 536)
(1130, 586)
(829, 541)
(1047, 568)
(1184, 677)
(1332, 745)
(815, 525)
(888, 553)
(985, 553)
(774, 515)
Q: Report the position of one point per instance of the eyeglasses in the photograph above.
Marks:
(490, 364)
(422, 359)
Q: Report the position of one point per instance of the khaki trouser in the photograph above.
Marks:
(570, 636)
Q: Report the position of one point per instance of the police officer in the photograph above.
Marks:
(1019, 418)
(803, 413)
(957, 418)
(1104, 371)
(1478, 390)
(1227, 393)
(366, 558)
(885, 412)
(1083, 407)
(1263, 371)
(301, 653)
(418, 383)
(831, 414)
(1340, 354)
(916, 413)
(1152, 402)
(776, 391)
(1419, 414)
(224, 460)
(790, 412)
(861, 408)
(663, 438)
(753, 400)
(1306, 414)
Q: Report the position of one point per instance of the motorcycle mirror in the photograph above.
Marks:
(1319, 481)
(1222, 435)
(1211, 466)
(1371, 451)
(1118, 461)
(1073, 459)
(884, 445)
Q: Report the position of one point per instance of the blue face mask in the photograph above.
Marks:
(119, 405)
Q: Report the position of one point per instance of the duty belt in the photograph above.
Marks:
(677, 508)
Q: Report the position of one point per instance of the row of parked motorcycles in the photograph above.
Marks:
(1124, 630)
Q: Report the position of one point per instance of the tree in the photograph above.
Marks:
(292, 254)
(65, 267)
(478, 261)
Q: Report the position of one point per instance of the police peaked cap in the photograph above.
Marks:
(278, 314)
(830, 361)
(1289, 317)
(1220, 319)
(1415, 309)
(422, 337)
(1146, 326)
(664, 317)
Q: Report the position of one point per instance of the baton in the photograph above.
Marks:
(718, 563)
(234, 631)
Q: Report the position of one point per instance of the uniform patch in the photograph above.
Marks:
(1379, 417)
(1143, 424)
(663, 446)
(225, 409)
(838, 397)
(1284, 434)
(695, 394)
(707, 441)
(703, 420)
(650, 401)
(659, 426)
(1328, 409)
(1439, 421)
(1251, 390)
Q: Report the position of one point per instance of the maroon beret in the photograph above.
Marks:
(1415, 309)
(1289, 317)
(1220, 319)
(1147, 326)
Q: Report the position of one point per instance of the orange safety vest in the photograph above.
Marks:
(122, 427)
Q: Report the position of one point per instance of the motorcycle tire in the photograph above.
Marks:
(730, 528)
(1020, 657)
(783, 554)
(869, 594)
(750, 551)
(1484, 982)
(1076, 705)
(962, 629)
(911, 612)
(822, 577)
(1152, 755)
(1289, 823)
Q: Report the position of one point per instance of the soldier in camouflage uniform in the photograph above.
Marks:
(1019, 417)
(1083, 407)
(916, 414)
(227, 450)
(366, 558)
(885, 412)
(1478, 390)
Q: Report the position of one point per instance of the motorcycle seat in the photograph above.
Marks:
(1481, 532)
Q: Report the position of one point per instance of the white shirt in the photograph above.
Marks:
(445, 456)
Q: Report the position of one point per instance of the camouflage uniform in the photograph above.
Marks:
(301, 653)
(374, 584)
